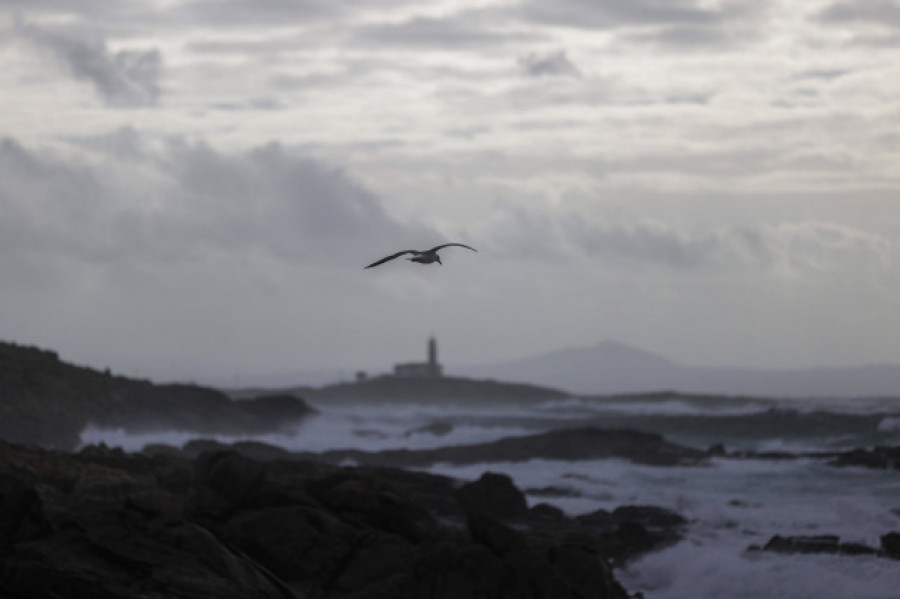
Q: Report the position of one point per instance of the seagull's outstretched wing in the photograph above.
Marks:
(391, 257)
(434, 249)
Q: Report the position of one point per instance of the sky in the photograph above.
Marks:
(189, 189)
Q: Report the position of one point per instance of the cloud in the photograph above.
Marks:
(549, 64)
(678, 24)
(127, 78)
(877, 12)
(271, 13)
(134, 201)
(615, 13)
(459, 31)
(785, 249)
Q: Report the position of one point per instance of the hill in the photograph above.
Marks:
(426, 390)
(48, 402)
(612, 368)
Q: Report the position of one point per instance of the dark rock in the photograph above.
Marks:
(299, 543)
(377, 558)
(803, 544)
(717, 450)
(453, 569)
(276, 411)
(585, 571)
(438, 428)
(546, 513)
(882, 458)
(630, 531)
(829, 544)
(599, 520)
(21, 512)
(49, 402)
(233, 475)
(649, 516)
(378, 505)
(458, 390)
(856, 549)
(106, 524)
(493, 495)
(890, 544)
(566, 444)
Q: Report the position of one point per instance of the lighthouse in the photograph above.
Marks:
(429, 369)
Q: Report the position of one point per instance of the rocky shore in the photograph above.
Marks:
(831, 544)
(49, 402)
(104, 523)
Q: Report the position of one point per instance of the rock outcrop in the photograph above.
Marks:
(831, 544)
(103, 523)
(587, 443)
(46, 401)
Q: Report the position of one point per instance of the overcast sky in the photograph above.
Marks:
(189, 189)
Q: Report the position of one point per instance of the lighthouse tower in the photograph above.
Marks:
(429, 369)
(432, 353)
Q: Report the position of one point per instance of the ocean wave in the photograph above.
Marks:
(890, 424)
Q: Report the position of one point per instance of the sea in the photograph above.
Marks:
(731, 504)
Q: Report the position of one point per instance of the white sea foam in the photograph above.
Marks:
(578, 407)
(891, 425)
(690, 570)
(369, 429)
(731, 505)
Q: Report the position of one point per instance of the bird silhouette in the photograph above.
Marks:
(422, 257)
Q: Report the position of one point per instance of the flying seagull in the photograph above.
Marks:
(422, 257)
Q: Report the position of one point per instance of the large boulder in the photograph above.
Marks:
(890, 545)
(493, 495)
(362, 497)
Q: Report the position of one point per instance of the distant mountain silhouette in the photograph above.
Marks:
(611, 367)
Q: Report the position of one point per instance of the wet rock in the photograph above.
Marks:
(568, 444)
(21, 512)
(362, 497)
(438, 428)
(493, 495)
(814, 544)
(375, 561)
(651, 517)
(298, 543)
(553, 491)
(275, 412)
(545, 512)
(717, 450)
(882, 458)
(630, 531)
(103, 523)
(233, 475)
(890, 545)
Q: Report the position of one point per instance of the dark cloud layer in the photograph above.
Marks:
(136, 204)
(549, 64)
(789, 249)
(458, 32)
(126, 78)
(878, 12)
(614, 13)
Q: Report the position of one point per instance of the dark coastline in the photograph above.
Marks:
(105, 523)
